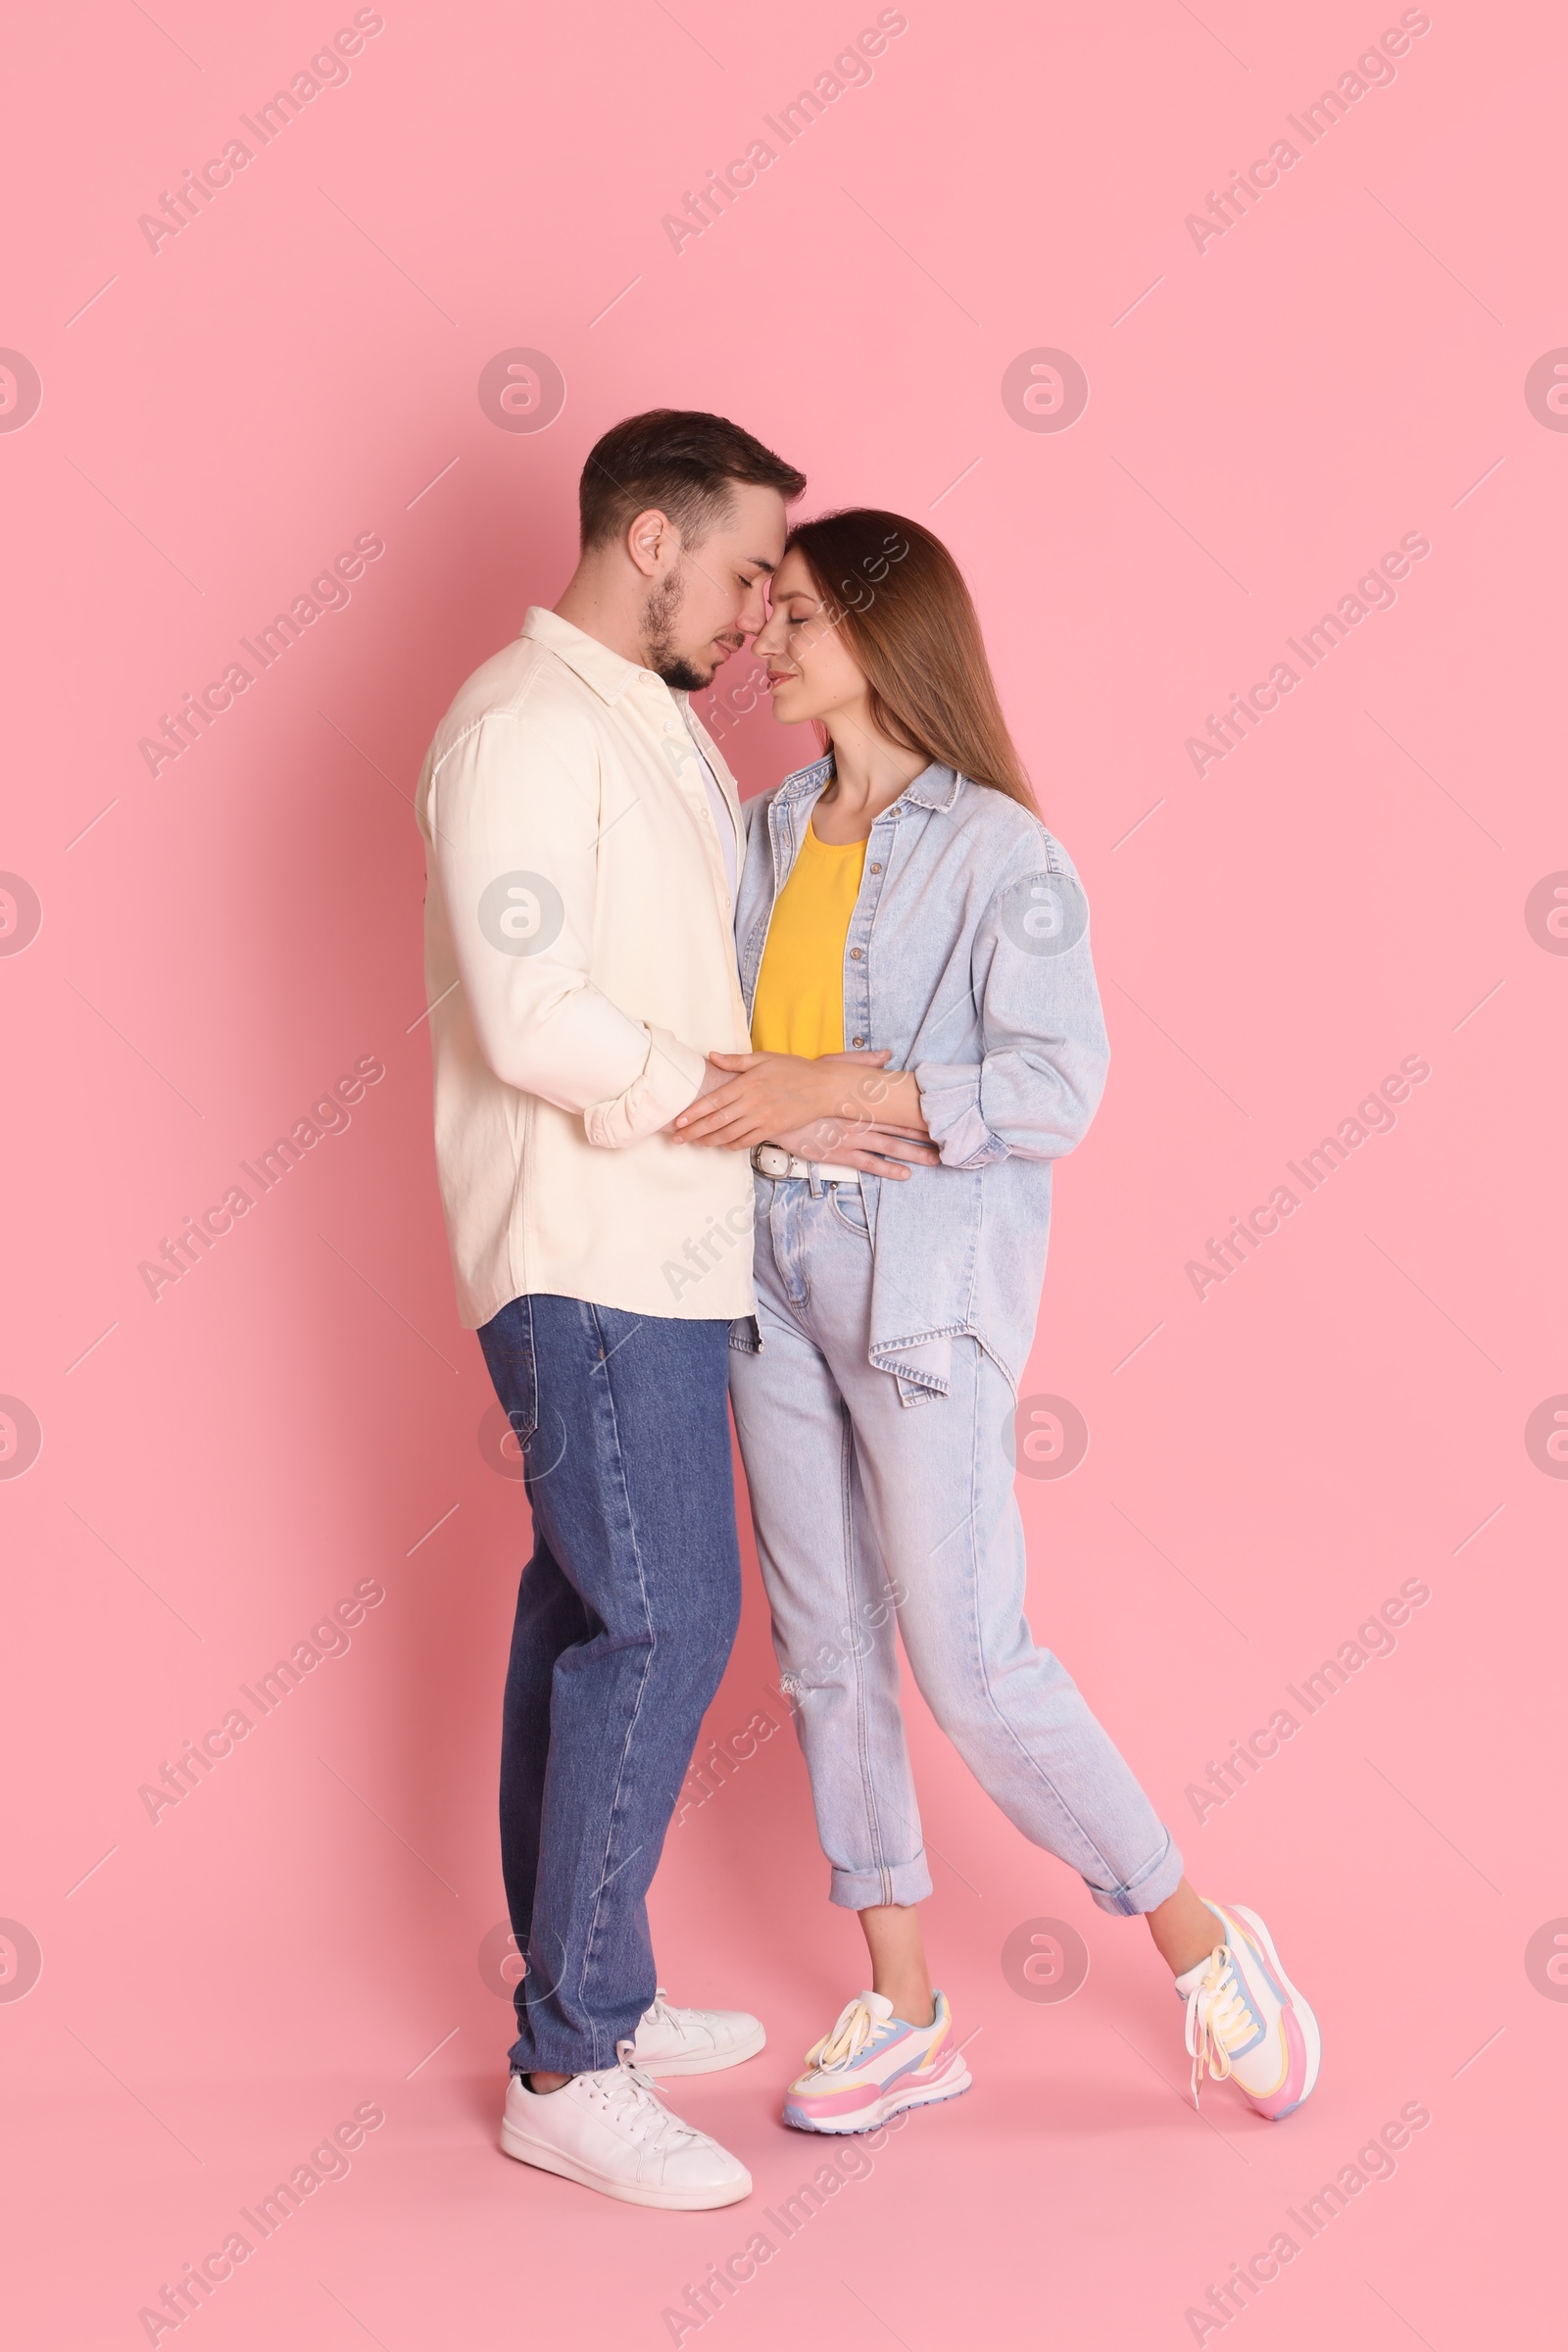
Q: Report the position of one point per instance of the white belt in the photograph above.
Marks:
(771, 1160)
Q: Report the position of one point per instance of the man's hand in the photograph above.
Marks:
(768, 1095)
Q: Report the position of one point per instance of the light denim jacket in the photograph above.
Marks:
(969, 957)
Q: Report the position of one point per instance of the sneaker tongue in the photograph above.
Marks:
(1191, 1979)
(880, 2006)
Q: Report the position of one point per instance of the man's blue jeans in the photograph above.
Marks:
(626, 1614)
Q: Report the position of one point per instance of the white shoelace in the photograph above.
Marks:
(658, 2011)
(631, 2103)
(1217, 2020)
(849, 2037)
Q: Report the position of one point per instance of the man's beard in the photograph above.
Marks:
(659, 637)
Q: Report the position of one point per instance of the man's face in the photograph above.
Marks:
(711, 597)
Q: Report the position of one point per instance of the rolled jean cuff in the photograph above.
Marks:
(894, 1882)
(1147, 1889)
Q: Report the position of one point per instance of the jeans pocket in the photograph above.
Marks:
(849, 1206)
(509, 1353)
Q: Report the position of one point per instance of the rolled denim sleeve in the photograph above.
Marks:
(1044, 1053)
(950, 1103)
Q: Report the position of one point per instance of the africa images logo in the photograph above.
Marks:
(522, 390)
(21, 391)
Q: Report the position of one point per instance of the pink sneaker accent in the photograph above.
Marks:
(1247, 2021)
(872, 2065)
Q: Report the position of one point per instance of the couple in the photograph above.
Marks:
(761, 1107)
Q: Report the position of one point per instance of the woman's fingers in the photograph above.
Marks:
(735, 1062)
(723, 1126)
(870, 1163)
(697, 1112)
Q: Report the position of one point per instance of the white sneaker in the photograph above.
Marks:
(694, 2042)
(1245, 2018)
(610, 2132)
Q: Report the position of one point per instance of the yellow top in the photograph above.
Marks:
(799, 988)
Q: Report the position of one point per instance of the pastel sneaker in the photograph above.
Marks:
(872, 2063)
(694, 2042)
(610, 2132)
(1245, 2018)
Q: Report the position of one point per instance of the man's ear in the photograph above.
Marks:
(653, 542)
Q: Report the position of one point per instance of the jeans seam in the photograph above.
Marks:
(862, 1734)
(1146, 1870)
(1091, 1843)
(613, 1811)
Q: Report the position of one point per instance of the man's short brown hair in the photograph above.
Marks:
(681, 460)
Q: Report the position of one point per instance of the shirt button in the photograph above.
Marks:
(857, 1041)
(855, 955)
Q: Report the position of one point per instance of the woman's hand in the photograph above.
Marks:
(768, 1095)
(874, 1149)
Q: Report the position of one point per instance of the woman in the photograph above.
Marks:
(901, 902)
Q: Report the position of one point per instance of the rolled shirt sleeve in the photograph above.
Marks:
(667, 1081)
(516, 814)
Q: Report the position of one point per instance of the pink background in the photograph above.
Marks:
(301, 1413)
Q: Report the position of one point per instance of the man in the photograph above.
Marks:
(582, 842)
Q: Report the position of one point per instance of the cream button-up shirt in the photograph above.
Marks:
(580, 963)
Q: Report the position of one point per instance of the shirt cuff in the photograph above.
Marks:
(950, 1103)
(669, 1079)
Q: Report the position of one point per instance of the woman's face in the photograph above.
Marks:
(812, 672)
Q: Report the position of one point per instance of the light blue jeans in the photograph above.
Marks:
(876, 1517)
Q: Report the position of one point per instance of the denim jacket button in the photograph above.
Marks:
(877, 869)
(858, 1040)
(855, 955)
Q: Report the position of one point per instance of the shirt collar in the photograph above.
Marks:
(935, 786)
(609, 673)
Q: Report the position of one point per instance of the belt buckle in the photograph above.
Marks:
(771, 1160)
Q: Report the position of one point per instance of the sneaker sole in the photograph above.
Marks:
(872, 2118)
(1311, 2038)
(672, 2200)
(703, 2062)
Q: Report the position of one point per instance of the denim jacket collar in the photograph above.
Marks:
(935, 786)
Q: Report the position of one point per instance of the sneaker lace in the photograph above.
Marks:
(631, 2103)
(1217, 2019)
(849, 2037)
(658, 2011)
